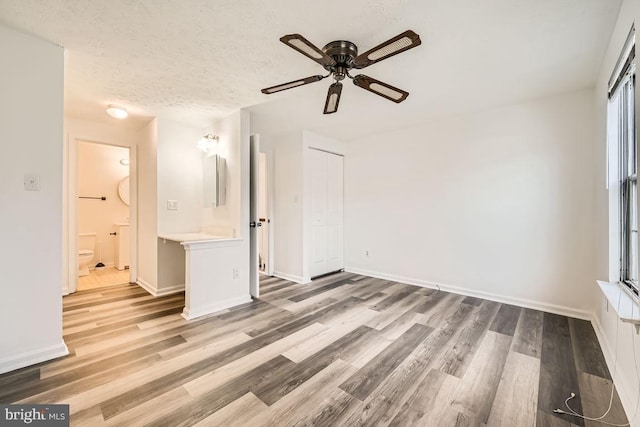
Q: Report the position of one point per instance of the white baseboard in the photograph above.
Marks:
(65, 291)
(28, 358)
(160, 292)
(170, 290)
(536, 305)
(291, 277)
(147, 287)
(194, 313)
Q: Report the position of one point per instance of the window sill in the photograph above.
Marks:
(625, 305)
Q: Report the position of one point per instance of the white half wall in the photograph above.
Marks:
(31, 115)
(496, 204)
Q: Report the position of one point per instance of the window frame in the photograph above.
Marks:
(623, 92)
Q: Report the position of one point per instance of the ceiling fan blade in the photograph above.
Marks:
(290, 85)
(333, 98)
(394, 46)
(380, 88)
(308, 49)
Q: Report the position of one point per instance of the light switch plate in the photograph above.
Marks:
(172, 205)
(31, 182)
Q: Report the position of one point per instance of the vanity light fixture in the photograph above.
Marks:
(208, 142)
(117, 112)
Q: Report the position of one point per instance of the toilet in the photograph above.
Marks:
(86, 246)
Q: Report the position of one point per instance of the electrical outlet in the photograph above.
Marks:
(32, 182)
(366, 253)
(236, 273)
(172, 205)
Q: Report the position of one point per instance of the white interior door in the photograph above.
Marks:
(254, 235)
(326, 172)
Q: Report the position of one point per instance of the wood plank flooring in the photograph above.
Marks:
(102, 277)
(345, 350)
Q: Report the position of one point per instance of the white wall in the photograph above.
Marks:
(148, 206)
(31, 130)
(496, 204)
(287, 211)
(99, 174)
(170, 168)
(179, 177)
(616, 338)
(226, 219)
(292, 230)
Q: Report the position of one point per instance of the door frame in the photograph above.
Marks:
(254, 201)
(70, 205)
(269, 216)
(307, 233)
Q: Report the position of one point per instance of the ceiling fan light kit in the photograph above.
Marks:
(341, 56)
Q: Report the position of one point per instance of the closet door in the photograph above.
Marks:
(326, 172)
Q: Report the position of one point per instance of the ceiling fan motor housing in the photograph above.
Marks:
(343, 52)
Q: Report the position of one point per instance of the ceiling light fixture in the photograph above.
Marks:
(208, 142)
(117, 112)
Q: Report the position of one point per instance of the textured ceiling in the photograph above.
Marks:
(196, 60)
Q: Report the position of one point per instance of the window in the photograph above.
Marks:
(622, 133)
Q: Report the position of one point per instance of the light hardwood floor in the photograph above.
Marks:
(346, 350)
(102, 277)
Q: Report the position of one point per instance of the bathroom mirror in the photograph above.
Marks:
(214, 174)
(123, 190)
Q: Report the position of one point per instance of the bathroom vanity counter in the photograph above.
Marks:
(206, 266)
(187, 238)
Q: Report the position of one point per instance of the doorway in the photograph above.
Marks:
(260, 213)
(101, 215)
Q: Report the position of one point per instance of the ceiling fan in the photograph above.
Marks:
(339, 57)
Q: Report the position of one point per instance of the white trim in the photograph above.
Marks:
(201, 245)
(621, 300)
(191, 314)
(629, 43)
(65, 290)
(70, 172)
(146, 286)
(170, 290)
(32, 357)
(160, 292)
(536, 305)
(292, 278)
(270, 212)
